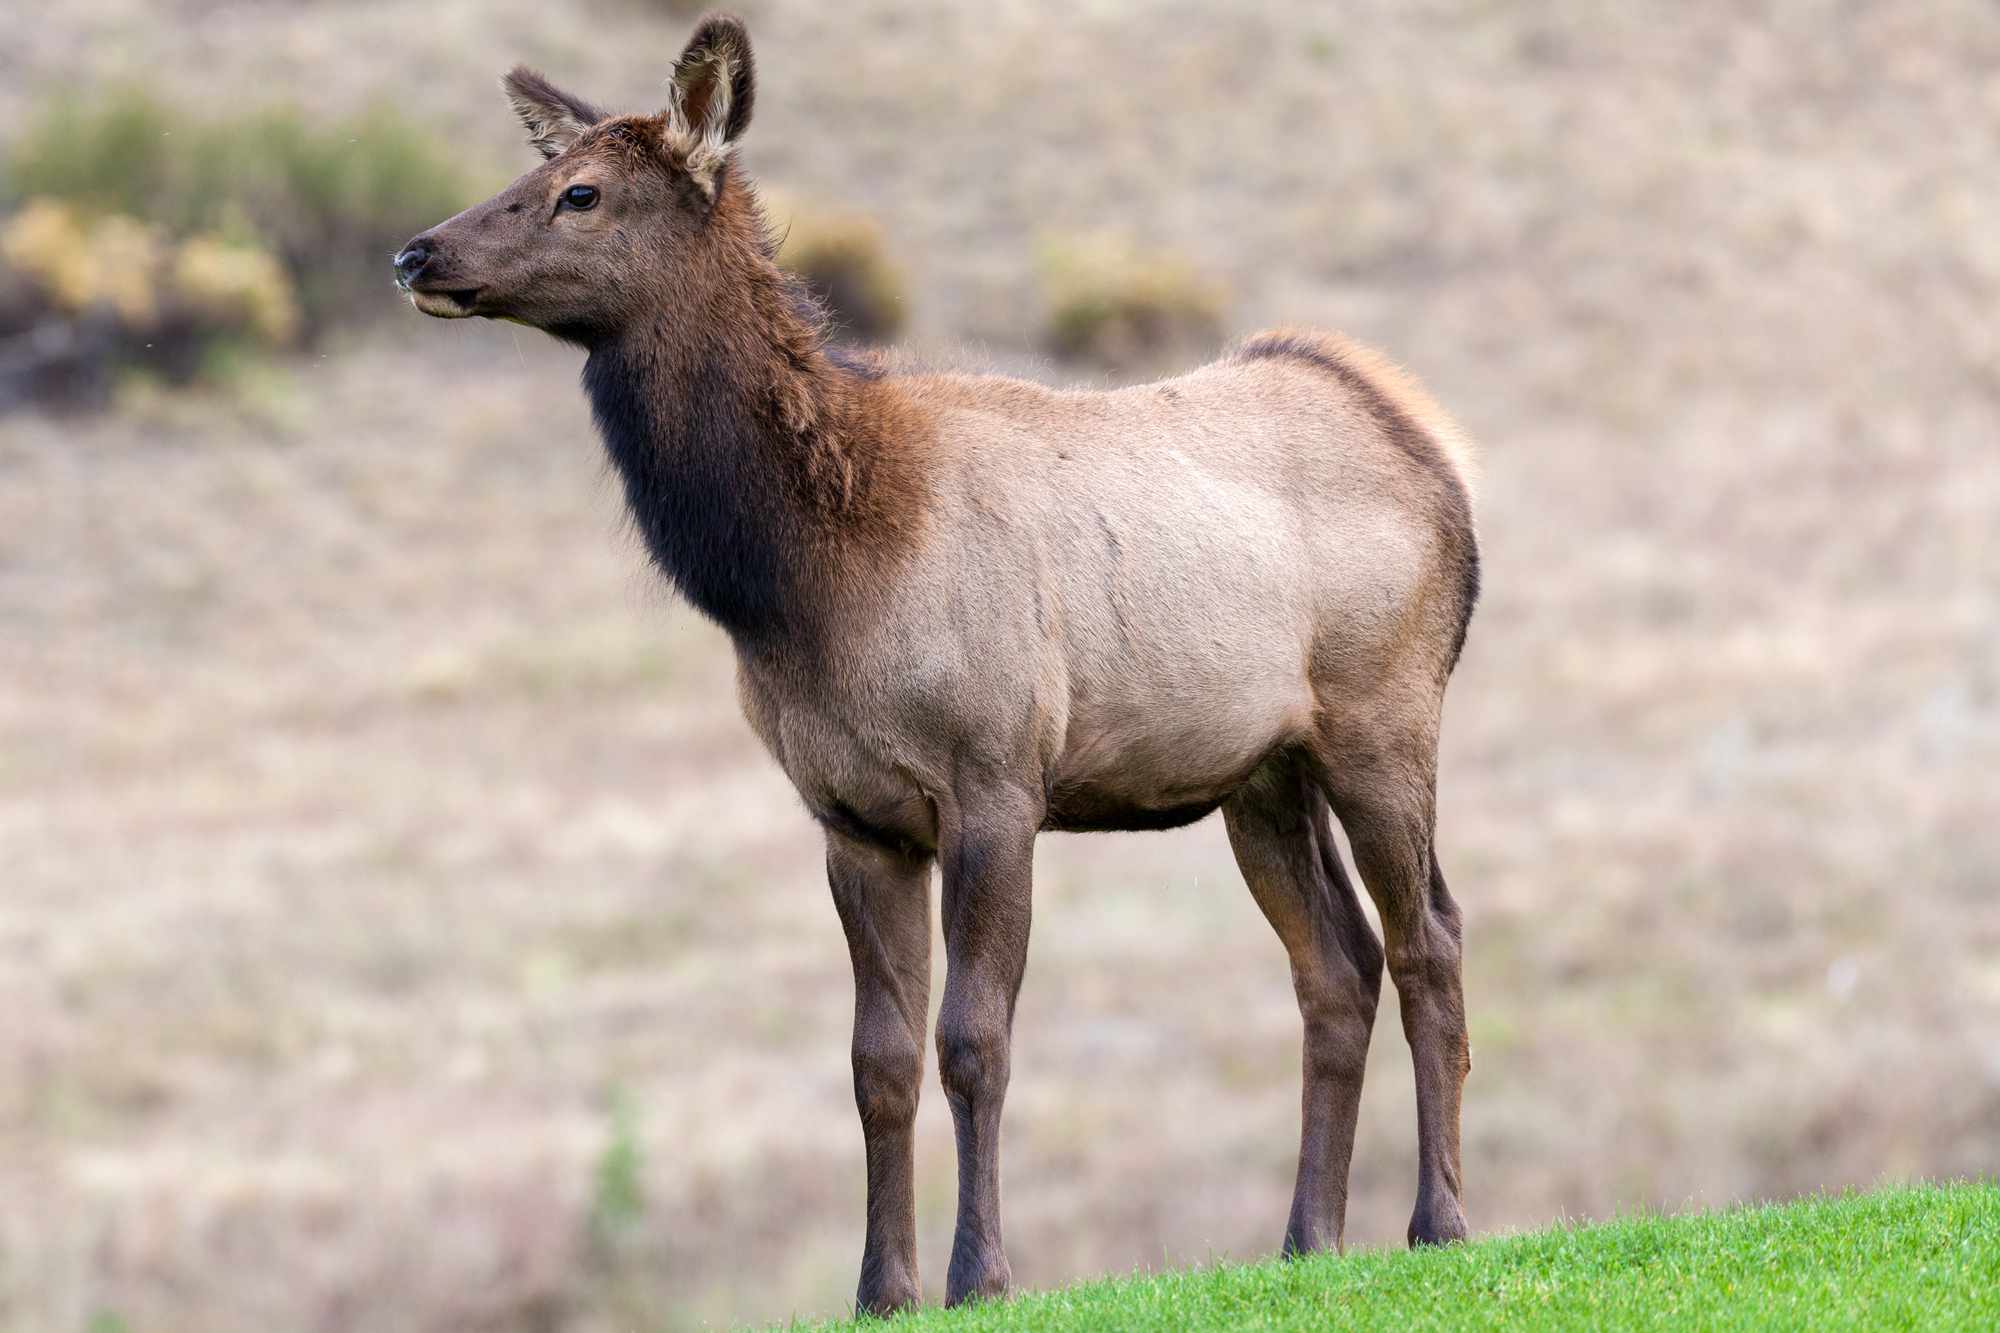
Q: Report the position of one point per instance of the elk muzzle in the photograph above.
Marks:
(421, 272)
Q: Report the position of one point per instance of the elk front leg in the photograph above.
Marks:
(884, 902)
(987, 857)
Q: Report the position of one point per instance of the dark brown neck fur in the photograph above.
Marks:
(766, 477)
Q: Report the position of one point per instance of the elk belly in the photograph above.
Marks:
(1166, 766)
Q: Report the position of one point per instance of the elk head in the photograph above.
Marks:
(622, 221)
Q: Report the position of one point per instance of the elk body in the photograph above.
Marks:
(967, 609)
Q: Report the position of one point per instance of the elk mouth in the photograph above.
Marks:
(445, 302)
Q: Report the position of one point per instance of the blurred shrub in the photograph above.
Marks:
(80, 266)
(234, 286)
(1121, 308)
(83, 295)
(846, 263)
(142, 239)
(330, 202)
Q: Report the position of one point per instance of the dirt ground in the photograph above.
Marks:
(401, 929)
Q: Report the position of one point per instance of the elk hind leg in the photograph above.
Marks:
(1383, 788)
(1283, 839)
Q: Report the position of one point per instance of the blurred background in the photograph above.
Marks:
(402, 931)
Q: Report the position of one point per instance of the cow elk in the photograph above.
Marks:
(967, 609)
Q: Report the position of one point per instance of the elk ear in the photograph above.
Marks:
(555, 119)
(715, 84)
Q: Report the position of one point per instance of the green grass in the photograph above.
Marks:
(1919, 1257)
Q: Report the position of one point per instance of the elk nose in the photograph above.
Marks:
(412, 260)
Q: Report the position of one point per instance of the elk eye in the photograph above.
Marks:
(580, 197)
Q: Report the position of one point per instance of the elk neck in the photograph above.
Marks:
(759, 470)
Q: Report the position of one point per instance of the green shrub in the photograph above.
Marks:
(138, 238)
(112, 157)
(846, 263)
(329, 201)
(618, 1199)
(1120, 308)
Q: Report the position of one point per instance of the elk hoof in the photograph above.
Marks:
(978, 1278)
(1437, 1221)
(887, 1294)
(1302, 1239)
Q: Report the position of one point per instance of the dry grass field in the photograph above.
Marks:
(400, 929)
